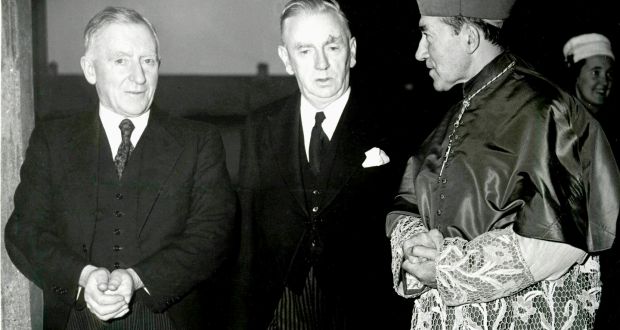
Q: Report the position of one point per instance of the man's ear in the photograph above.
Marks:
(472, 37)
(283, 53)
(352, 52)
(88, 67)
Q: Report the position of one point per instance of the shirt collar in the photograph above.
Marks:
(110, 121)
(333, 110)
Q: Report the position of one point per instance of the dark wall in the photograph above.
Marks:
(221, 100)
(387, 36)
(538, 30)
(187, 96)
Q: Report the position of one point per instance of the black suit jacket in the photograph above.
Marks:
(185, 211)
(355, 263)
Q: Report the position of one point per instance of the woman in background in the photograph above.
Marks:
(591, 64)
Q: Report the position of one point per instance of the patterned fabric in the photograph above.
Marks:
(487, 268)
(125, 148)
(318, 142)
(485, 284)
(407, 227)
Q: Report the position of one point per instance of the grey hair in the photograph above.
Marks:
(298, 7)
(111, 15)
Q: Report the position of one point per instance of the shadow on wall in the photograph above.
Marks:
(221, 100)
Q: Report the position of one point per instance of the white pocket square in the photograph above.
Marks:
(375, 157)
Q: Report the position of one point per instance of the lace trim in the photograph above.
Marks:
(406, 228)
(569, 302)
(488, 267)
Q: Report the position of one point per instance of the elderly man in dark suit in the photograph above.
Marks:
(315, 183)
(124, 209)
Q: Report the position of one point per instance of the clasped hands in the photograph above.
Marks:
(419, 254)
(107, 295)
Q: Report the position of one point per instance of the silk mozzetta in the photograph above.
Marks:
(525, 159)
(525, 154)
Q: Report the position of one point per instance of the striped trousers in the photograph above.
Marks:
(138, 318)
(309, 310)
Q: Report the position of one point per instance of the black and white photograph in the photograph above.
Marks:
(309, 164)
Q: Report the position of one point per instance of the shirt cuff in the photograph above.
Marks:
(137, 282)
(393, 218)
(548, 260)
(405, 284)
(83, 277)
(85, 273)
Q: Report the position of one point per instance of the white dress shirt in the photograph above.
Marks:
(110, 121)
(332, 115)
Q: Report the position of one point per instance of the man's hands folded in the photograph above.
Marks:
(107, 295)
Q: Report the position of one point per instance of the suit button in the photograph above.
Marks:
(117, 231)
(84, 249)
(316, 192)
(117, 248)
(117, 265)
(438, 212)
(118, 196)
(118, 213)
(444, 181)
(315, 209)
(442, 196)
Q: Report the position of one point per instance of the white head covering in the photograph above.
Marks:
(586, 45)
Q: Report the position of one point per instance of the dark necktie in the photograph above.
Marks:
(318, 143)
(125, 149)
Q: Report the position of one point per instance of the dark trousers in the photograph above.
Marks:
(309, 309)
(139, 317)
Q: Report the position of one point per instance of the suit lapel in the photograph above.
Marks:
(160, 154)
(81, 176)
(284, 128)
(345, 155)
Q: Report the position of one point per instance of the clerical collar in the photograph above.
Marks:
(464, 105)
(490, 70)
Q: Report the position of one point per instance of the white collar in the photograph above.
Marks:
(110, 121)
(332, 112)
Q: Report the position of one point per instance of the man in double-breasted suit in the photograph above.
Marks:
(125, 210)
(315, 181)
